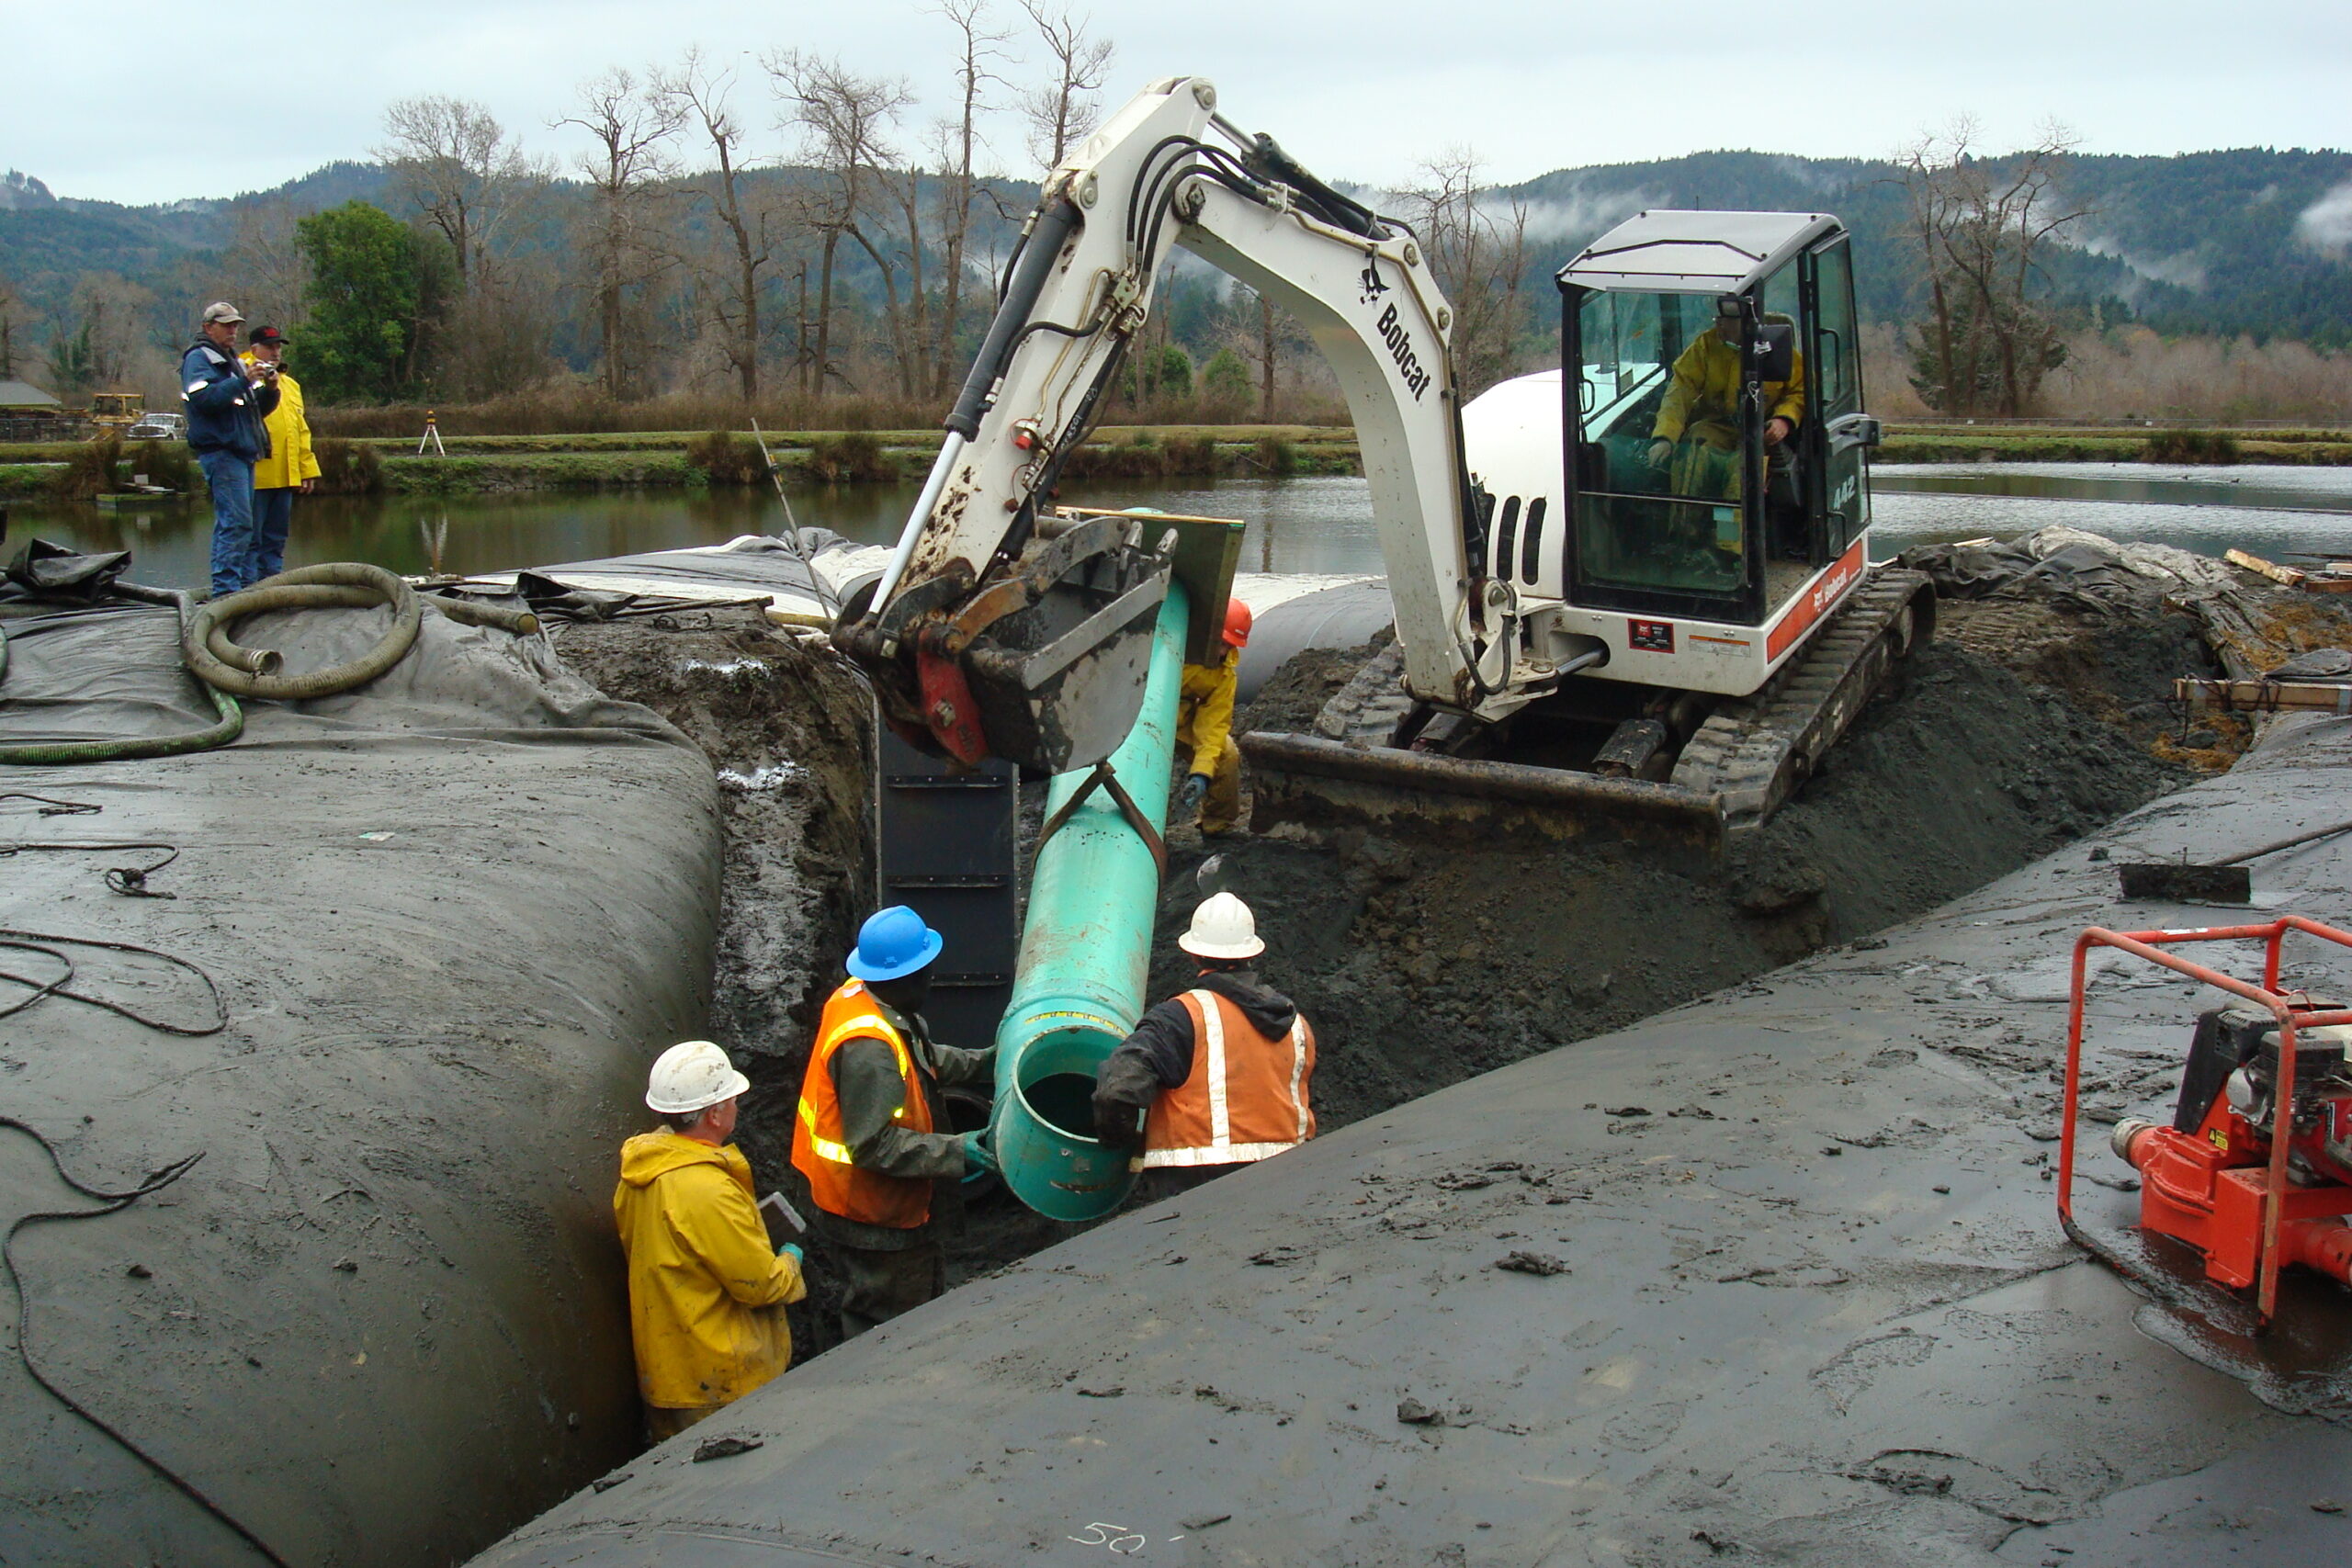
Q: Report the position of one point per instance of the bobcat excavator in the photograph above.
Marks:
(1634, 591)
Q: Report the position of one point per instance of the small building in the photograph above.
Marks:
(23, 395)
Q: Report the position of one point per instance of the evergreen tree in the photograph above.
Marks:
(373, 280)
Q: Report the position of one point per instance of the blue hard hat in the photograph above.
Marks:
(894, 944)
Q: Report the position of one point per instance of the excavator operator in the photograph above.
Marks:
(1204, 723)
(1696, 438)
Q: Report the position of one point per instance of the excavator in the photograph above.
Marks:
(1633, 592)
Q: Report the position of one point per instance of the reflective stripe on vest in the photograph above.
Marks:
(1213, 1080)
(868, 1026)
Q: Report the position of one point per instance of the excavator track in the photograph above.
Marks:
(1753, 753)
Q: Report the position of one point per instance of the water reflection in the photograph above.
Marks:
(1294, 526)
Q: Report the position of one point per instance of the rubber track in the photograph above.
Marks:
(1755, 751)
(1367, 710)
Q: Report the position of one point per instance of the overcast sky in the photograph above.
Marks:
(155, 103)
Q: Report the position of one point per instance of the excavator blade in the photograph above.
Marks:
(1321, 785)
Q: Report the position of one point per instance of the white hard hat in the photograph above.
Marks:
(692, 1076)
(1223, 928)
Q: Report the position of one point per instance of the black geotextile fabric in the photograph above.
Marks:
(111, 673)
(1347, 615)
(449, 918)
(1774, 1277)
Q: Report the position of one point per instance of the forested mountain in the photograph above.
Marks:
(2253, 241)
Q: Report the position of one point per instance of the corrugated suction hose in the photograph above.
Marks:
(226, 665)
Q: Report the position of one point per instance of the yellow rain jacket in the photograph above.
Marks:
(1204, 710)
(289, 461)
(1706, 393)
(707, 1292)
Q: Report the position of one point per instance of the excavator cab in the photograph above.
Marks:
(1712, 415)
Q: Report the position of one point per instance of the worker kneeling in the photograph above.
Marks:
(1205, 723)
(706, 1293)
(869, 1137)
(1220, 1074)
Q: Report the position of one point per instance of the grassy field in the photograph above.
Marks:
(491, 464)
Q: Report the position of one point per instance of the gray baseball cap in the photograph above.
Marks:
(221, 311)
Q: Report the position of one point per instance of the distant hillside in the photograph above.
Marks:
(2251, 240)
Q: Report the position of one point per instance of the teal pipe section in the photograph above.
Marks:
(1077, 988)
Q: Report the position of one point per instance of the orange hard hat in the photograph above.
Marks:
(1237, 624)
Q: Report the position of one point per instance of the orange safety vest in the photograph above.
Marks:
(1245, 1098)
(836, 1183)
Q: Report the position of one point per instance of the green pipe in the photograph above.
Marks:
(1077, 988)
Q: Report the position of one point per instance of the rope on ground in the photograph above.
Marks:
(37, 942)
(109, 1203)
(130, 881)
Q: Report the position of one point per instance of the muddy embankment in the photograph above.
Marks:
(2035, 718)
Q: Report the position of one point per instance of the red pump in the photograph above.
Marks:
(2224, 1177)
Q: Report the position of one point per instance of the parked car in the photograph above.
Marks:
(158, 427)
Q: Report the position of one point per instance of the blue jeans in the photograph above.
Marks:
(230, 479)
(273, 517)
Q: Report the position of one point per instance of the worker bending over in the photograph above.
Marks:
(1219, 1076)
(1205, 723)
(706, 1293)
(870, 1137)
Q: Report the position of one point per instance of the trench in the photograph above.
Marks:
(1421, 963)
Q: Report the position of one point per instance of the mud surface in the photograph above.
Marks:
(1424, 964)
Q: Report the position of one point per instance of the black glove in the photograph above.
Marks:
(1195, 789)
(1117, 1124)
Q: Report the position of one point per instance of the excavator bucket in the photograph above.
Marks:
(1323, 786)
(1059, 684)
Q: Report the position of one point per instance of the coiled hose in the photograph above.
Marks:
(229, 671)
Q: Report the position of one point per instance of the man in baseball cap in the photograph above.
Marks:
(707, 1292)
(228, 403)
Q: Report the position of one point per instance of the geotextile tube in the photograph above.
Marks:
(1078, 985)
(399, 991)
(1776, 1276)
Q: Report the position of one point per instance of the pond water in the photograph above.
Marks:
(1296, 524)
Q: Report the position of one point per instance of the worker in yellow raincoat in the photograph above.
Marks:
(707, 1292)
(1204, 723)
(288, 468)
(1696, 437)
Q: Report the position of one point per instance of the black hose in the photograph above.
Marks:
(109, 1203)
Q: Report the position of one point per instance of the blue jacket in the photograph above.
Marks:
(224, 414)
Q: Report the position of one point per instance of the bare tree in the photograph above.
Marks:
(1061, 112)
(705, 94)
(1478, 251)
(271, 273)
(979, 44)
(633, 129)
(1978, 226)
(844, 120)
(458, 166)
